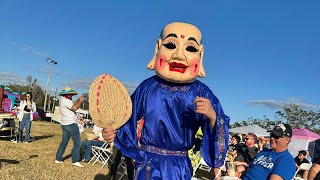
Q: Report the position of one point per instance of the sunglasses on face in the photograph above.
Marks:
(28, 96)
(276, 137)
(247, 139)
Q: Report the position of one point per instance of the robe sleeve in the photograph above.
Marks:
(215, 140)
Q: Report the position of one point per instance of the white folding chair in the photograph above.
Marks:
(303, 166)
(101, 154)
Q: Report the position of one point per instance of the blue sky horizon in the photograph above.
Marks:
(259, 55)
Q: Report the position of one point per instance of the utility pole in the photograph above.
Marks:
(54, 101)
(51, 63)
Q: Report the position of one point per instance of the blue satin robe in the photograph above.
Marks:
(170, 122)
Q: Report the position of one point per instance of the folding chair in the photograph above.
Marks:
(303, 166)
(202, 164)
(101, 154)
(122, 166)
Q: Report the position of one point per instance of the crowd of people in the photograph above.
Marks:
(271, 160)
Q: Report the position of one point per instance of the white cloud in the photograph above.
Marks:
(34, 51)
(274, 104)
(130, 87)
(85, 84)
(80, 84)
(27, 48)
(10, 78)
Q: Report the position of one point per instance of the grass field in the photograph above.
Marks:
(35, 160)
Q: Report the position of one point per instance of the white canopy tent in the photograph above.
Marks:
(257, 130)
(57, 117)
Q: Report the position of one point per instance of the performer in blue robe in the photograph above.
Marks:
(174, 105)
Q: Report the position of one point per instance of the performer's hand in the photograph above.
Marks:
(108, 134)
(203, 106)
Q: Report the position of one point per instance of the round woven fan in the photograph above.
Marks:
(110, 105)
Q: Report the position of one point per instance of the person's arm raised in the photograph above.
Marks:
(77, 103)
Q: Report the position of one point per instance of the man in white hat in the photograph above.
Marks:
(69, 125)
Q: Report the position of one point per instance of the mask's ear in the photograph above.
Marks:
(201, 72)
(152, 64)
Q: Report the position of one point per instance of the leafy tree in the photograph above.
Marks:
(292, 114)
(29, 82)
(265, 123)
(297, 117)
(85, 103)
(32, 86)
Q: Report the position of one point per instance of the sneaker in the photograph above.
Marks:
(77, 164)
(26, 142)
(58, 162)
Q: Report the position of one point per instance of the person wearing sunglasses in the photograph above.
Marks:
(27, 108)
(275, 163)
(234, 147)
(301, 158)
(246, 153)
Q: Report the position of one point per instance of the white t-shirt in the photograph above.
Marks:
(81, 128)
(97, 131)
(67, 115)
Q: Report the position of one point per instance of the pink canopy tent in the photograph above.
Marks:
(302, 139)
(302, 133)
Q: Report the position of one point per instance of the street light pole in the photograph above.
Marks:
(51, 62)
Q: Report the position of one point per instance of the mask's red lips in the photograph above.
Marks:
(178, 67)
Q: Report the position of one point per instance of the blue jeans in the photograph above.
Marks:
(67, 131)
(87, 148)
(25, 122)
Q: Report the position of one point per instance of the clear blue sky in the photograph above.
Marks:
(259, 55)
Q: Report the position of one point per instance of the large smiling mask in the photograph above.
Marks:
(178, 54)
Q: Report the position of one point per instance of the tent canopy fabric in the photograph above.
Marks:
(259, 131)
(302, 133)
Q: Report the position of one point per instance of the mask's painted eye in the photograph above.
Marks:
(191, 48)
(170, 45)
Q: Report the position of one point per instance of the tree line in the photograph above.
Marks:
(291, 114)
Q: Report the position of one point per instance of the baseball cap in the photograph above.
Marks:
(282, 130)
